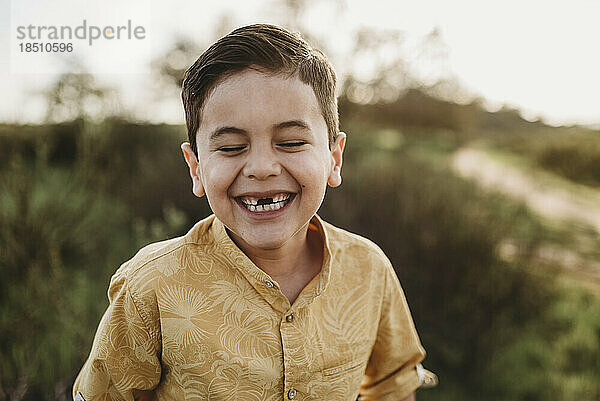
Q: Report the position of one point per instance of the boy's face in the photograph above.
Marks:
(263, 140)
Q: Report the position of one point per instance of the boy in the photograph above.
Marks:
(262, 300)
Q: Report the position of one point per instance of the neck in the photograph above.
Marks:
(285, 261)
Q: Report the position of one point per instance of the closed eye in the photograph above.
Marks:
(292, 144)
(231, 148)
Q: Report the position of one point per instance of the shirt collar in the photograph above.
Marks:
(327, 255)
(242, 262)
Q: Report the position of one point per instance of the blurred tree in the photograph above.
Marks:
(175, 61)
(171, 65)
(77, 95)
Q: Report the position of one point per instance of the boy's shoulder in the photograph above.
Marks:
(163, 256)
(346, 244)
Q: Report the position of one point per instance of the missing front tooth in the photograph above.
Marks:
(264, 201)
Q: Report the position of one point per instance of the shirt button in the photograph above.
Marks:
(292, 394)
(269, 284)
(289, 318)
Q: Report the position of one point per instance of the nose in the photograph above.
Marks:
(261, 163)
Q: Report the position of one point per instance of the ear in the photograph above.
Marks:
(194, 166)
(337, 149)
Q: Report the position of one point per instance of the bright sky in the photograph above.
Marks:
(539, 56)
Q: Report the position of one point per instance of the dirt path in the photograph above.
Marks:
(541, 194)
(549, 196)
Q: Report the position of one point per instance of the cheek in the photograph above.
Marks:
(311, 171)
(217, 179)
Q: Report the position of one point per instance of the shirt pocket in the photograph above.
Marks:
(340, 360)
(343, 380)
(344, 368)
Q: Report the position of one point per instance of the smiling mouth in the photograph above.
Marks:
(265, 204)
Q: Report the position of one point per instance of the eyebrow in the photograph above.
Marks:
(292, 124)
(226, 130)
(235, 130)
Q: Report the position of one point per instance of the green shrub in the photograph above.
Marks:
(573, 153)
(58, 240)
(577, 159)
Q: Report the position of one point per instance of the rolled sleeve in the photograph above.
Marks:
(391, 373)
(124, 360)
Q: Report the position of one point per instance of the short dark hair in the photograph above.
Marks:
(269, 48)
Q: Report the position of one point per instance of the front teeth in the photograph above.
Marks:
(279, 201)
(280, 197)
(266, 208)
(249, 200)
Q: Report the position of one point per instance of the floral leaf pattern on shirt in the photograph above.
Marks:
(344, 312)
(193, 318)
(266, 372)
(183, 311)
(248, 335)
(195, 266)
(324, 390)
(235, 295)
(231, 381)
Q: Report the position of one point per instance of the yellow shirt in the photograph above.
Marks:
(193, 318)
